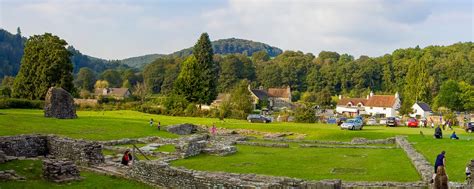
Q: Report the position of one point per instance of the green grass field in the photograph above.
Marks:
(96, 125)
(311, 163)
(32, 170)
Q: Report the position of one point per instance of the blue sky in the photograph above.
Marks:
(120, 29)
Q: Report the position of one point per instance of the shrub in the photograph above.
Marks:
(304, 114)
(21, 103)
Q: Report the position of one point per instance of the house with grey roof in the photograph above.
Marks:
(421, 110)
(117, 93)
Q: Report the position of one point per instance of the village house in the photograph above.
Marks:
(117, 93)
(277, 98)
(421, 110)
(221, 97)
(374, 105)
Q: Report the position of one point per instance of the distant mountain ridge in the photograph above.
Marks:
(221, 46)
(12, 45)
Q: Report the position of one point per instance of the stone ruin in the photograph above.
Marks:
(6, 175)
(59, 104)
(182, 129)
(60, 171)
(470, 181)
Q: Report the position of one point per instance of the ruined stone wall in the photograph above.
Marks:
(24, 145)
(162, 174)
(424, 168)
(80, 151)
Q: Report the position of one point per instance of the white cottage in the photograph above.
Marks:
(374, 105)
(421, 110)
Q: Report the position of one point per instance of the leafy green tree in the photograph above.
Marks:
(305, 114)
(449, 96)
(45, 64)
(85, 79)
(260, 56)
(153, 75)
(100, 84)
(466, 96)
(113, 77)
(197, 81)
(231, 72)
(241, 100)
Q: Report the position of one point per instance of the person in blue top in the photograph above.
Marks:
(440, 160)
(454, 136)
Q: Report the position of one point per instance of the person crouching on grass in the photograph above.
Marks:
(126, 158)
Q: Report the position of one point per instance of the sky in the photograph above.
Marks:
(117, 29)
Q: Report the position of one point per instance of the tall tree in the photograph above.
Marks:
(198, 78)
(45, 63)
(449, 96)
(113, 77)
(85, 79)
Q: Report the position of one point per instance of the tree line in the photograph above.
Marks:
(418, 74)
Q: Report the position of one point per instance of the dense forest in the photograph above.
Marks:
(221, 46)
(418, 74)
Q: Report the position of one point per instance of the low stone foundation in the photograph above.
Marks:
(262, 144)
(6, 175)
(60, 171)
(160, 173)
(345, 146)
(182, 129)
(81, 151)
(424, 168)
(355, 141)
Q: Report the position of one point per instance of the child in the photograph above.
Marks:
(159, 125)
(151, 122)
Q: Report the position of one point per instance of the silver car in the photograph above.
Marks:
(352, 124)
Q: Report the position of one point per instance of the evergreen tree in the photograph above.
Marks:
(197, 81)
(85, 79)
(45, 64)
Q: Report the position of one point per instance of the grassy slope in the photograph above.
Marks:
(311, 163)
(34, 180)
(121, 124)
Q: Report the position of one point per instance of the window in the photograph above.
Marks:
(371, 108)
(384, 108)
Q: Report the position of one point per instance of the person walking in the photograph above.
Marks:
(441, 179)
(159, 126)
(151, 122)
(440, 160)
(468, 172)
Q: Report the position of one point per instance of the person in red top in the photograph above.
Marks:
(213, 130)
(126, 158)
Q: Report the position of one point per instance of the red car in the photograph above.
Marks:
(412, 122)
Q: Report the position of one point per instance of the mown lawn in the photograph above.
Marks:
(32, 169)
(311, 163)
(97, 125)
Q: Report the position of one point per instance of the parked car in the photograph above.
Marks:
(470, 127)
(331, 120)
(412, 122)
(352, 124)
(391, 122)
(252, 118)
(371, 121)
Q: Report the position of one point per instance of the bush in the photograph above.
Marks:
(304, 114)
(150, 109)
(21, 103)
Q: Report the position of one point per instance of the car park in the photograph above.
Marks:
(253, 118)
(352, 124)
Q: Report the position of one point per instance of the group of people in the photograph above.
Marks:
(158, 125)
(440, 178)
(438, 134)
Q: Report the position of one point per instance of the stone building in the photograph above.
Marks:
(374, 105)
(117, 93)
(278, 98)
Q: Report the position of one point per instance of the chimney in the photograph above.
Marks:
(397, 95)
(340, 97)
(368, 97)
(371, 93)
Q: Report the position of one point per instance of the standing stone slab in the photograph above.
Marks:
(59, 104)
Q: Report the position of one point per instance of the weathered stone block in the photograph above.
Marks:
(60, 171)
(182, 129)
(59, 104)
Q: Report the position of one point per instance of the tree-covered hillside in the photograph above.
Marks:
(221, 46)
(11, 52)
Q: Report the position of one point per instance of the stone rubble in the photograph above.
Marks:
(59, 103)
(182, 129)
(424, 168)
(60, 171)
(6, 175)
